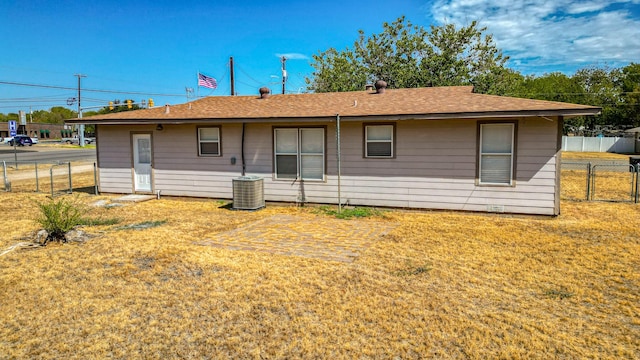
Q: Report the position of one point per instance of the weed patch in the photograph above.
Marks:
(414, 270)
(99, 221)
(142, 225)
(561, 293)
(350, 213)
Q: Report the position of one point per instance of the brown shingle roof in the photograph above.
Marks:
(424, 103)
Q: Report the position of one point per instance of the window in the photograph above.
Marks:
(209, 141)
(378, 141)
(496, 153)
(299, 153)
(144, 150)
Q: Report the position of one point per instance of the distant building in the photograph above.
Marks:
(39, 130)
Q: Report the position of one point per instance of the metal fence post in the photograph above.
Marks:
(592, 188)
(4, 174)
(637, 199)
(51, 175)
(70, 183)
(95, 179)
(37, 182)
(588, 181)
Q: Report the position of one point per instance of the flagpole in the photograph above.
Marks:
(198, 85)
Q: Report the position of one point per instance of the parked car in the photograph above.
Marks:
(34, 140)
(75, 140)
(20, 140)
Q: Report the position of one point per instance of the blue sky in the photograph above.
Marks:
(157, 47)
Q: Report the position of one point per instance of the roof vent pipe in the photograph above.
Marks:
(264, 92)
(380, 86)
(368, 87)
(167, 108)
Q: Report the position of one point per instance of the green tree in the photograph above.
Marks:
(555, 86)
(9, 116)
(337, 71)
(118, 106)
(55, 115)
(630, 86)
(500, 81)
(405, 55)
(601, 87)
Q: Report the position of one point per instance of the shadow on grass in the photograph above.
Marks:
(86, 190)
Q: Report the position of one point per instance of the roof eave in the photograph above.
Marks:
(566, 113)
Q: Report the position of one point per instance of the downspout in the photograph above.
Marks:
(244, 165)
(338, 159)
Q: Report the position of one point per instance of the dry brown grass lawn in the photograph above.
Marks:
(441, 284)
(571, 155)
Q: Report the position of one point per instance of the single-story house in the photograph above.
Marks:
(427, 148)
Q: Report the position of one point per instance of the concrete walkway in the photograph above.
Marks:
(318, 237)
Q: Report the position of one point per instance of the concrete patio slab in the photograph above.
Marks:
(318, 237)
(135, 198)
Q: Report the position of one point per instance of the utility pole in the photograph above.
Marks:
(81, 127)
(233, 85)
(284, 74)
(189, 93)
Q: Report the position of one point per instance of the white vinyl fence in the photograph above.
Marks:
(598, 144)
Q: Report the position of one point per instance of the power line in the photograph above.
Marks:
(35, 97)
(90, 90)
(248, 76)
(34, 100)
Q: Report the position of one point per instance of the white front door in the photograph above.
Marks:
(142, 162)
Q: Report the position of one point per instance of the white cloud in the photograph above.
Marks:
(294, 56)
(579, 8)
(562, 35)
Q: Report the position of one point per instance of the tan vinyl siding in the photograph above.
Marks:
(115, 180)
(114, 163)
(434, 166)
(179, 171)
(193, 183)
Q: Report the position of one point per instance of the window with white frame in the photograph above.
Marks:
(496, 153)
(209, 141)
(378, 141)
(299, 153)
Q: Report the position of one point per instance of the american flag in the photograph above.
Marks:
(207, 81)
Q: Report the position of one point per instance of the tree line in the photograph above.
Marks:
(57, 114)
(405, 55)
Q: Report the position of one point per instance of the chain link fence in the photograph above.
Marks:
(580, 181)
(600, 181)
(54, 178)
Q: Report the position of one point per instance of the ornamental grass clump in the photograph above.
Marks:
(60, 216)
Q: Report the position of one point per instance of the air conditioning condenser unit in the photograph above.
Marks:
(248, 193)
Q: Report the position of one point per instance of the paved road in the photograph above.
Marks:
(46, 153)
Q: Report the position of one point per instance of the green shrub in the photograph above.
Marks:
(57, 217)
